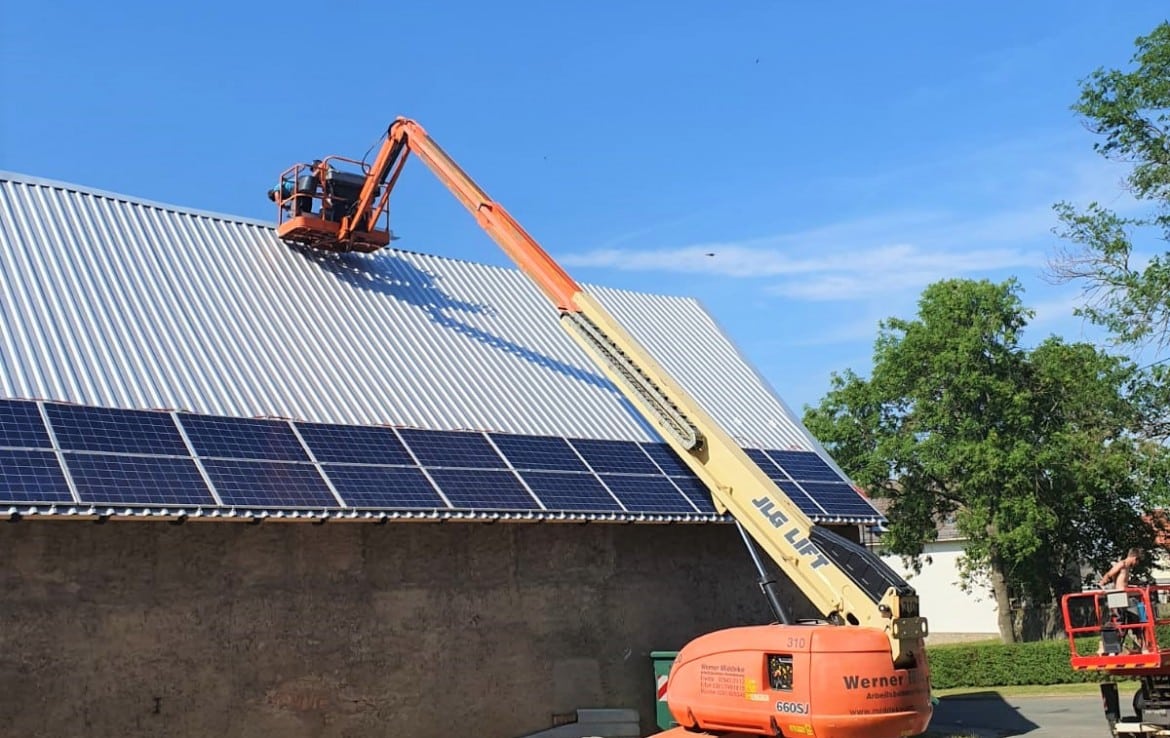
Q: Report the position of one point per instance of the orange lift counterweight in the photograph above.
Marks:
(859, 671)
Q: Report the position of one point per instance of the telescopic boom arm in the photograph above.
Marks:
(849, 584)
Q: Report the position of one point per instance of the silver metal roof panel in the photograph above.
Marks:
(118, 302)
(107, 300)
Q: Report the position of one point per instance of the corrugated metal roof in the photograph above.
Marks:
(111, 301)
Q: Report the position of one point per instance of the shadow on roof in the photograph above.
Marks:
(393, 276)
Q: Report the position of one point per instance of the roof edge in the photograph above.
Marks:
(29, 179)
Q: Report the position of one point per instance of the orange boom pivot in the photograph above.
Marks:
(858, 670)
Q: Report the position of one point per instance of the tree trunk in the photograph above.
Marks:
(1040, 621)
(1003, 603)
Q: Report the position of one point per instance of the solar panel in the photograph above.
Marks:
(483, 489)
(839, 499)
(825, 494)
(798, 496)
(667, 459)
(350, 444)
(242, 438)
(538, 452)
(32, 476)
(696, 491)
(268, 484)
(21, 425)
(647, 494)
(804, 465)
(137, 480)
(463, 449)
(761, 460)
(570, 491)
(777, 475)
(383, 486)
(138, 457)
(616, 457)
(83, 428)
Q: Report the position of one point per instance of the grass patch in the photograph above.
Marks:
(1027, 690)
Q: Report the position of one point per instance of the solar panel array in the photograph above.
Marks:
(114, 461)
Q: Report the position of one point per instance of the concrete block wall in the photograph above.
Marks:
(345, 630)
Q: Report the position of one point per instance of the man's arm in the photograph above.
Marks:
(1111, 574)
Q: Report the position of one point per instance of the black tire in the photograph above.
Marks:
(1139, 702)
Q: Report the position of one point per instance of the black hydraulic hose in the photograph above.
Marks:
(768, 585)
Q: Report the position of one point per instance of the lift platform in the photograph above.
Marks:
(1124, 633)
(313, 199)
(1117, 631)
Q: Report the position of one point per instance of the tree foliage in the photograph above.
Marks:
(1120, 257)
(1032, 452)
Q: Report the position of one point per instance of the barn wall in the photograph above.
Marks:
(426, 630)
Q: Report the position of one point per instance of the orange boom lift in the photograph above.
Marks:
(859, 671)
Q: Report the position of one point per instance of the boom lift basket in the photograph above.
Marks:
(1118, 631)
(311, 199)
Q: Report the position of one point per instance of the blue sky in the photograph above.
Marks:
(835, 158)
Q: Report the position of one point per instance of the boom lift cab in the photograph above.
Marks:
(860, 671)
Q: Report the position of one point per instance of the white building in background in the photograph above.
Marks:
(953, 614)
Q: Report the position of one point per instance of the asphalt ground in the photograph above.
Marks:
(1035, 717)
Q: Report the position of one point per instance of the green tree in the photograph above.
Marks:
(1031, 451)
(1120, 258)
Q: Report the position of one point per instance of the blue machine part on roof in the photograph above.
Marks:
(269, 484)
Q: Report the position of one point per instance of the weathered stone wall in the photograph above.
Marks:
(421, 630)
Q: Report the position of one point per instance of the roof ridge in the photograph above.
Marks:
(29, 179)
(34, 180)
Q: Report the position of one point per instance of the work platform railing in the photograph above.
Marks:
(1119, 631)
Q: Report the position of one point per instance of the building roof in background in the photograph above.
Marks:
(947, 528)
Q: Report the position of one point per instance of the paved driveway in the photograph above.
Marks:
(1033, 717)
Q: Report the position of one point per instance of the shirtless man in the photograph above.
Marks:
(1119, 575)
(1120, 570)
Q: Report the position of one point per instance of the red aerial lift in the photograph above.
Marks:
(1124, 634)
(859, 671)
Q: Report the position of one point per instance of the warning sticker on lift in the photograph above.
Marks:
(751, 690)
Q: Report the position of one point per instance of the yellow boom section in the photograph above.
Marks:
(737, 484)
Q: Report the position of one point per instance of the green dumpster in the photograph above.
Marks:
(663, 660)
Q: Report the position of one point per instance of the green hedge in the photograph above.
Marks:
(1008, 664)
